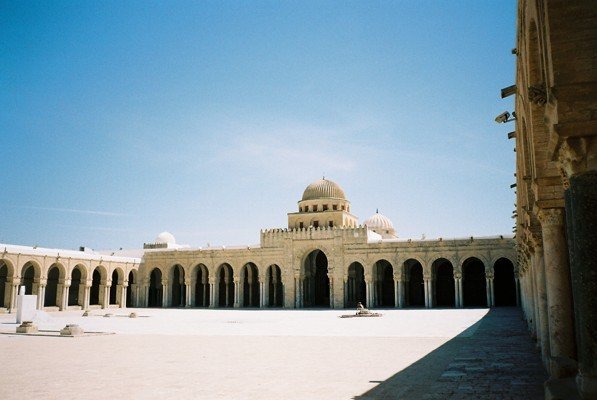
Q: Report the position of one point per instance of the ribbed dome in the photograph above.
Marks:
(165, 237)
(379, 222)
(323, 189)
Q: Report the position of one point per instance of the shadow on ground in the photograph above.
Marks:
(493, 359)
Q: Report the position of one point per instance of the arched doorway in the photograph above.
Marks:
(275, 286)
(355, 286)
(249, 276)
(94, 292)
(225, 286)
(202, 286)
(75, 294)
(178, 287)
(415, 287)
(3, 280)
(504, 283)
(316, 283)
(443, 272)
(154, 293)
(132, 288)
(51, 297)
(28, 277)
(474, 285)
(383, 276)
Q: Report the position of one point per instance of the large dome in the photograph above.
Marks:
(379, 222)
(323, 189)
(165, 238)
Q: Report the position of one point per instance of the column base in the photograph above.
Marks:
(561, 389)
(562, 367)
(587, 386)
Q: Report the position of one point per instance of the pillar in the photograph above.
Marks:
(165, 296)
(517, 285)
(236, 293)
(189, 293)
(489, 290)
(559, 295)
(541, 307)
(581, 213)
(123, 290)
(332, 302)
(369, 294)
(426, 292)
(64, 298)
(86, 296)
(460, 294)
(456, 297)
(41, 295)
(212, 293)
(401, 294)
(397, 293)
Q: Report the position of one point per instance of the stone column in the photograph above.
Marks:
(236, 293)
(541, 296)
(345, 281)
(460, 294)
(41, 295)
(123, 290)
(64, 298)
(13, 296)
(189, 293)
(517, 284)
(581, 213)
(559, 295)
(331, 278)
(213, 295)
(369, 294)
(401, 294)
(165, 297)
(426, 292)
(456, 299)
(87, 296)
(396, 293)
(488, 290)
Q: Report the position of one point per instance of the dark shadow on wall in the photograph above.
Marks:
(494, 357)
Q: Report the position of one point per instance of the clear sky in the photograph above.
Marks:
(122, 119)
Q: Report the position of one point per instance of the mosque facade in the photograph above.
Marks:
(323, 258)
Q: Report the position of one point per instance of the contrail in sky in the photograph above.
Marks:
(76, 211)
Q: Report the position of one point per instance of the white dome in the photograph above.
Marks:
(379, 222)
(323, 189)
(165, 237)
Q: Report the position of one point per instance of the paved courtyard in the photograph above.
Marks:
(266, 354)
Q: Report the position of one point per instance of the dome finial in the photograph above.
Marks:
(377, 211)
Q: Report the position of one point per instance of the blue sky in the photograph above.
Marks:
(122, 119)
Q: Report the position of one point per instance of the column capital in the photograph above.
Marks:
(551, 217)
(573, 157)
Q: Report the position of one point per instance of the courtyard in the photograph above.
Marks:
(266, 354)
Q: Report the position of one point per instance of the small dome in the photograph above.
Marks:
(165, 237)
(323, 189)
(379, 222)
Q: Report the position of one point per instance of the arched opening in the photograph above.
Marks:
(443, 271)
(316, 283)
(3, 284)
(132, 287)
(474, 285)
(154, 294)
(28, 277)
(355, 286)
(415, 286)
(202, 286)
(225, 286)
(178, 286)
(75, 296)
(94, 292)
(504, 283)
(383, 276)
(50, 299)
(250, 284)
(114, 288)
(275, 286)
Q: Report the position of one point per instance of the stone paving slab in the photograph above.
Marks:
(199, 354)
(498, 361)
